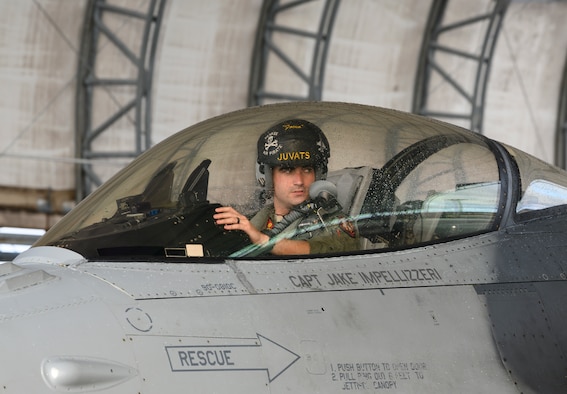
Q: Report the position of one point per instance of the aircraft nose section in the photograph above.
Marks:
(77, 374)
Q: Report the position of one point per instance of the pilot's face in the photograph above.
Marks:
(291, 186)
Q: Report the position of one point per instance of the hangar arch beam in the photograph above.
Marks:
(135, 90)
(431, 63)
(561, 129)
(266, 48)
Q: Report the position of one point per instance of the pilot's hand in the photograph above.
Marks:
(231, 219)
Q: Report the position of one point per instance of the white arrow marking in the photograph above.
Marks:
(266, 356)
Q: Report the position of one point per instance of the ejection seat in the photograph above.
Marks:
(352, 186)
(355, 194)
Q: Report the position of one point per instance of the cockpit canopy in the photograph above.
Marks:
(403, 180)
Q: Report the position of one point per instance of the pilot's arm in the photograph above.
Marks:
(233, 220)
(338, 238)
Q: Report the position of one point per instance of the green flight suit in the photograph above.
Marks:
(328, 233)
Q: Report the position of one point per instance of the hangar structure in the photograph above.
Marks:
(122, 74)
(265, 48)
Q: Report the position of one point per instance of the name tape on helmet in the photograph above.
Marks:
(288, 156)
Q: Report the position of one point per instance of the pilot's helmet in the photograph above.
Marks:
(292, 143)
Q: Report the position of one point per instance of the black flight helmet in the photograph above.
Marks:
(292, 143)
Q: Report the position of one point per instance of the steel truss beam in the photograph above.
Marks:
(265, 48)
(561, 129)
(88, 83)
(429, 61)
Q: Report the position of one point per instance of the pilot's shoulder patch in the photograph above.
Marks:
(269, 224)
